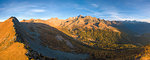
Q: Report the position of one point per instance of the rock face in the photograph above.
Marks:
(84, 22)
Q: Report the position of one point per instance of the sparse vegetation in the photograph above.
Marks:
(105, 39)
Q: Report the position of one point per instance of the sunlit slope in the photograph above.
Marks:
(9, 49)
(7, 31)
(14, 52)
(146, 53)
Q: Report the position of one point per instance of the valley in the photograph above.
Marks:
(80, 37)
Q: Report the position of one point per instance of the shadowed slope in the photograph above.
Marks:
(44, 45)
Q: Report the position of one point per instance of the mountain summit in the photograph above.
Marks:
(9, 49)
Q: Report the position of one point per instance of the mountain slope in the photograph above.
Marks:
(9, 49)
(43, 44)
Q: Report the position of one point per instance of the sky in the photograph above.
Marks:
(104, 9)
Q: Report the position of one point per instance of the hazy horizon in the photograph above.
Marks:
(104, 9)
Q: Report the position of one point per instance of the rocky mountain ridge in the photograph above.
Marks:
(73, 39)
(30, 43)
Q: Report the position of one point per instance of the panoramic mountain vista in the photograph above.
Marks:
(81, 37)
(74, 30)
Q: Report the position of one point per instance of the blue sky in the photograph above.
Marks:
(104, 9)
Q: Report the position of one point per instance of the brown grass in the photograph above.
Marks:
(15, 52)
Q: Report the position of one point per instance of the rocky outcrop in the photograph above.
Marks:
(88, 22)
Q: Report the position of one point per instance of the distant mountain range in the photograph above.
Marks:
(75, 38)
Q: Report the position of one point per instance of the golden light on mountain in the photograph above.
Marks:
(75, 38)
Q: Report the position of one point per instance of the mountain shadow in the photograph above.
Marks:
(49, 41)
